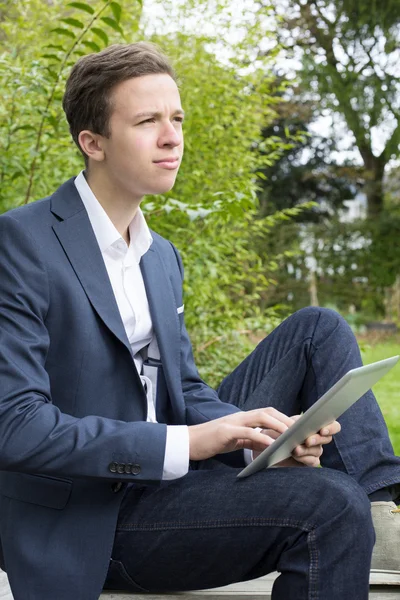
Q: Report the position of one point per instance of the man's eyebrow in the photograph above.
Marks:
(156, 114)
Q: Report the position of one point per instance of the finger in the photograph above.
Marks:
(271, 432)
(251, 438)
(331, 429)
(269, 422)
(309, 461)
(277, 422)
(270, 415)
(317, 440)
(302, 451)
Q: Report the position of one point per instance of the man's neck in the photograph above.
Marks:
(120, 209)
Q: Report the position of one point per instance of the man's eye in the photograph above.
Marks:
(179, 119)
(147, 121)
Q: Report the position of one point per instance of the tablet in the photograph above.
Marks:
(328, 408)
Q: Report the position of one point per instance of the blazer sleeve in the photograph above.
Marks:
(35, 436)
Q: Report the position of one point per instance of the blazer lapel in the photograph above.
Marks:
(77, 237)
(163, 313)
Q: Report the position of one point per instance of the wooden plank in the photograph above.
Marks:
(384, 592)
(244, 590)
(240, 591)
(5, 592)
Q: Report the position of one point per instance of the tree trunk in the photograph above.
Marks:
(375, 170)
(313, 289)
(392, 301)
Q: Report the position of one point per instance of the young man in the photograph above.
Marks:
(101, 406)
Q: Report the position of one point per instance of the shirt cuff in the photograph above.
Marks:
(248, 454)
(176, 460)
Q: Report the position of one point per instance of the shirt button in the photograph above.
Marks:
(113, 467)
(136, 469)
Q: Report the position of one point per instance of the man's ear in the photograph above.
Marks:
(91, 144)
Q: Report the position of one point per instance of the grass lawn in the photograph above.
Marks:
(387, 390)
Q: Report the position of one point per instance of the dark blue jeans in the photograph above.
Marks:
(314, 526)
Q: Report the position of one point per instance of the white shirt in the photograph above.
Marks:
(123, 267)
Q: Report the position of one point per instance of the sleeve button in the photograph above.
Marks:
(113, 467)
(128, 468)
(121, 468)
(136, 469)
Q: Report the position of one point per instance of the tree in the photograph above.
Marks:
(304, 173)
(350, 57)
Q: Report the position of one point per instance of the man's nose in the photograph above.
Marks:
(170, 136)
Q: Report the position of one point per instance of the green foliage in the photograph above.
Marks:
(305, 171)
(354, 262)
(349, 53)
(381, 255)
(211, 213)
(388, 388)
(33, 133)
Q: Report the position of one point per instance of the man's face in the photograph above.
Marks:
(144, 151)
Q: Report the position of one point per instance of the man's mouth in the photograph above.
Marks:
(171, 162)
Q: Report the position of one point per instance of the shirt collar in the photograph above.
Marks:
(104, 229)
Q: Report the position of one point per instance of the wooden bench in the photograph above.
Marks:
(248, 590)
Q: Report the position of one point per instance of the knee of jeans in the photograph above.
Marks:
(328, 320)
(317, 312)
(352, 501)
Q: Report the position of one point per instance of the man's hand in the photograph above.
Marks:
(309, 453)
(238, 431)
(235, 432)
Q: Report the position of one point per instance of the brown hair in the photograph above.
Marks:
(87, 99)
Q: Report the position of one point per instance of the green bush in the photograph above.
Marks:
(211, 214)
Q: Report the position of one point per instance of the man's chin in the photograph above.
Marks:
(161, 188)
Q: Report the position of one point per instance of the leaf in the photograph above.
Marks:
(52, 73)
(55, 47)
(101, 34)
(116, 9)
(52, 56)
(73, 22)
(111, 23)
(91, 45)
(41, 88)
(23, 128)
(16, 175)
(82, 6)
(53, 121)
(62, 31)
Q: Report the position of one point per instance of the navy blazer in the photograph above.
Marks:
(72, 407)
